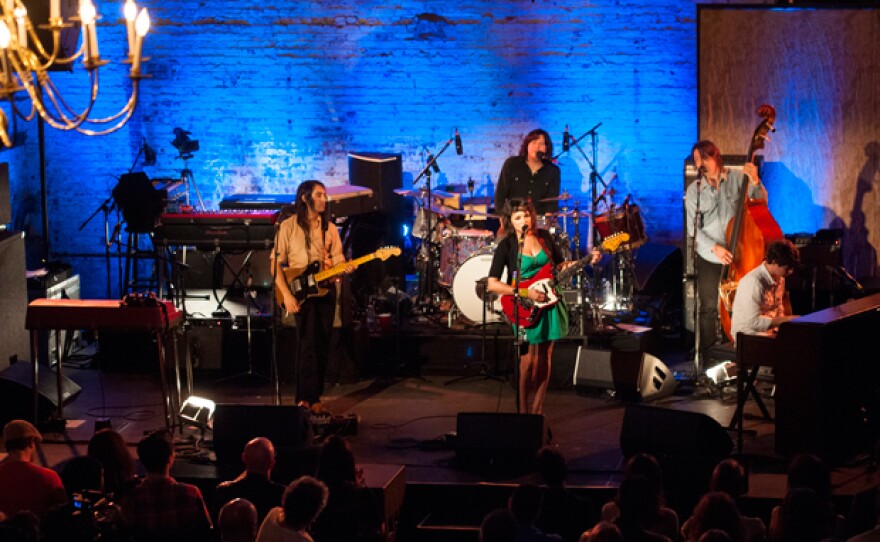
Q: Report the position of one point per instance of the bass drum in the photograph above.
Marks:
(469, 288)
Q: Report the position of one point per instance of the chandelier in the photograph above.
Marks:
(25, 64)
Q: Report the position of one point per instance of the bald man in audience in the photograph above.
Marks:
(237, 521)
(254, 484)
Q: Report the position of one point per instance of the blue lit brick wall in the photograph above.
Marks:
(279, 92)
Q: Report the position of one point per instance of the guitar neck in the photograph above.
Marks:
(338, 269)
(570, 271)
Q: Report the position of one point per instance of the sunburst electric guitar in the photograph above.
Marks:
(529, 312)
(305, 282)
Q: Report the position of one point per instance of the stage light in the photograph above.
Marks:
(405, 230)
(197, 411)
(722, 373)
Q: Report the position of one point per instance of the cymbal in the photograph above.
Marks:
(448, 211)
(407, 193)
(457, 188)
(565, 196)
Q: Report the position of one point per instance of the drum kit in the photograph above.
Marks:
(457, 251)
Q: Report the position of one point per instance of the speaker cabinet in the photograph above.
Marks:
(14, 343)
(498, 442)
(381, 173)
(286, 426)
(668, 432)
(16, 395)
(593, 368)
(5, 200)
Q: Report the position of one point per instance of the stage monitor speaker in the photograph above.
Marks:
(14, 343)
(16, 396)
(667, 432)
(287, 426)
(592, 368)
(381, 173)
(498, 442)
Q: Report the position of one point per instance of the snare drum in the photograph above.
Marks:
(469, 288)
(458, 246)
(627, 220)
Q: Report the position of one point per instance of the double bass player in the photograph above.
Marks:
(714, 195)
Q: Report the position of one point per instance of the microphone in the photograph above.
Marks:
(626, 201)
(566, 140)
(542, 156)
(470, 185)
(525, 229)
(701, 171)
(149, 154)
(458, 149)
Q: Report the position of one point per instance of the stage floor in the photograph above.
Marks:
(402, 420)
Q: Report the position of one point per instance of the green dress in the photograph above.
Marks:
(553, 324)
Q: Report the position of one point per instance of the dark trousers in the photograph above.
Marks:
(708, 277)
(315, 324)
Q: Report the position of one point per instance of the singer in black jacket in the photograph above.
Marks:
(530, 175)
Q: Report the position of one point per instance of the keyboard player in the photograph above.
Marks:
(761, 304)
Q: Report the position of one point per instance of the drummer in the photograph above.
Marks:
(530, 175)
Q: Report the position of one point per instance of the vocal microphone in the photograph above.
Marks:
(458, 149)
(566, 140)
(542, 156)
(149, 154)
(626, 201)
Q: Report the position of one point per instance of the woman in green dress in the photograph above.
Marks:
(538, 250)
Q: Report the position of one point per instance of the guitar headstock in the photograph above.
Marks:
(613, 241)
(386, 252)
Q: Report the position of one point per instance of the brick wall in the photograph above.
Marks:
(279, 92)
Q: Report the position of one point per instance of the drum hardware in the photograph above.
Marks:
(565, 196)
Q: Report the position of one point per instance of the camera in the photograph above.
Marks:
(183, 143)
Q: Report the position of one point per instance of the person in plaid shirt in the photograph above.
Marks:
(160, 505)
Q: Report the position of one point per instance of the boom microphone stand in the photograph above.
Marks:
(427, 296)
(698, 362)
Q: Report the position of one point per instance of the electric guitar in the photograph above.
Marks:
(529, 312)
(306, 282)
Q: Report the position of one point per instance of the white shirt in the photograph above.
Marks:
(759, 298)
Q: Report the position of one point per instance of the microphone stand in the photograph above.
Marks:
(517, 335)
(106, 208)
(429, 265)
(698, 362)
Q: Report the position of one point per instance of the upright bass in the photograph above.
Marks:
(750, 229)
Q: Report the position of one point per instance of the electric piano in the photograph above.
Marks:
(218, 230)
(827, 371)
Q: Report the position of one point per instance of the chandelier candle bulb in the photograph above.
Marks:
(142, 25)
(20, 14)
(130, 11)
(54, 9)
(87, 15)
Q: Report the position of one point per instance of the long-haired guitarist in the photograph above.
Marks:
(308, 236)
(538, 250)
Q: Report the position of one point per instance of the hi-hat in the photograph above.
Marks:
(407, 193)
(572, 213)
(565, 196)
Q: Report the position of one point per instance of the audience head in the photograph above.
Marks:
(729, 477)
(636, 499)
(551, 465)
(82, 473)
(20, 435)
(804, 517)
(605, 531)
(716, 510)
(303, 500)
(525, 503)
(237, 521)
(109, 448)
(715, 535)
(156, 452)
(336, 463)
(21, 527)
(808, 471)
(259, 456)
(498, 526)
